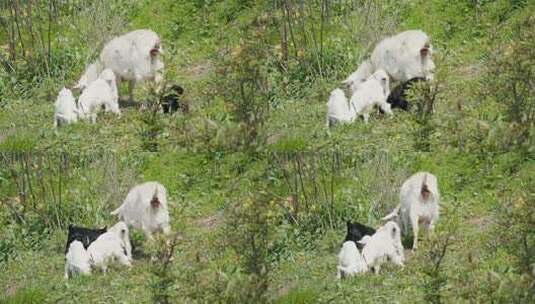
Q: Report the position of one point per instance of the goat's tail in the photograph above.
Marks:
(392, 214)
(424, 181)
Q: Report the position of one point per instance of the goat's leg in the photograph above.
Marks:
(414, 224)
(131, 85)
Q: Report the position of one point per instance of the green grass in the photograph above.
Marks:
(210, 179)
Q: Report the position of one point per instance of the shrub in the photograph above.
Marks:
(509, 84)
(515, 231)
(249, 234)
(243, 81)
(163, 277)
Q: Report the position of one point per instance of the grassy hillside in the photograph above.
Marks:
(259, 189)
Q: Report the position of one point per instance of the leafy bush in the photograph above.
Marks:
(515, 232)
(511, 69)
(250, 235)
(244, 85)
(163, 277)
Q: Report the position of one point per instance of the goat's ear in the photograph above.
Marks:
(385, 85)
(364, 240)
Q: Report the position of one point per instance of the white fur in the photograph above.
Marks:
(138, 212)
(357, 78)
(400, 56)
(121, 231)
(373, 92)
(383, 245)
(77, 260)
(350, 261)
(65, 108)
(101, 92)
(112, 245)
(129, 57)
(90, 74)
(414, 208)
(338, 109)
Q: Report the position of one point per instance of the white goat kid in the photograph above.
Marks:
(77, 260)
(112, 245)
(65, 108)
(145, 208)
(338, 109)
(405, 56)
(113, 105)
(91, 73)
(372, 92)
(101, 92)
(357, 78)
(384, 245)
(419, 204)
(120, 230)
(350, 261)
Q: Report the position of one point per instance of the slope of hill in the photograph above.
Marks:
(259, 189)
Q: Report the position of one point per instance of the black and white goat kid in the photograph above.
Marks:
(85, 235)
(356, 231)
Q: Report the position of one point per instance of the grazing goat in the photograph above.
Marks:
(84, 235)
(405, 56)
(356, 231)
(65, 108)
(114, 244)
(357, 78)
(338, 109)
(145, 208)
(419, 203)
(134, 57)
(101, 92)
(350, 261)
(77, 260)
(371, 93)
(170, 101)
(384, 245)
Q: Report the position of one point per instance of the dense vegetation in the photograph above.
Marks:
(260, 190)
